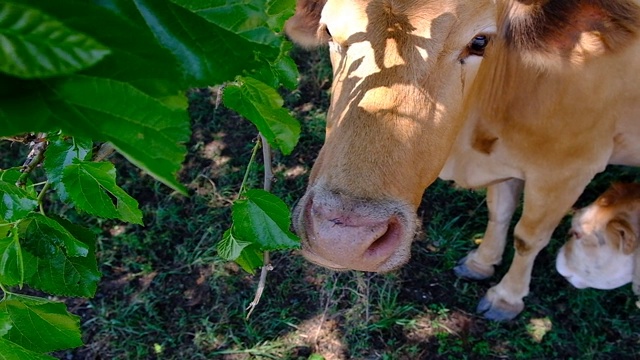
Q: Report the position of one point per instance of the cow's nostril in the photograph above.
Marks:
(387, 241)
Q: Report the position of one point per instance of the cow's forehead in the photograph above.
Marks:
(376, 20)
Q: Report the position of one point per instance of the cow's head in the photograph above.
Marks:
(604, 240)
(402, 73)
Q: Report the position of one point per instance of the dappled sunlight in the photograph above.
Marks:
(431, 324)
(291, 173)
(213, 151)
(321, 334)
(296, 171)
(538, 328)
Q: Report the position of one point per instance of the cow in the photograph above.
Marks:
(603, 251)
(529, 97)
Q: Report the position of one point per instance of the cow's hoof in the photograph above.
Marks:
(469, 269)
(499, 310)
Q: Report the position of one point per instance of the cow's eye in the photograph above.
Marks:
(326, 30)
(478, 44)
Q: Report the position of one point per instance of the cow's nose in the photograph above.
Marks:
(351, 236)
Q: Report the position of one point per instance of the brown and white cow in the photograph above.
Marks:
(513, 95)
(603, 251)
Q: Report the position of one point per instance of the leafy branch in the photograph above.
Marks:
(79, 75)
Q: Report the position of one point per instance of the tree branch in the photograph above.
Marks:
(38, 146)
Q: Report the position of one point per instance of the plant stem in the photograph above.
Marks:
(246, 173)
(41, 195)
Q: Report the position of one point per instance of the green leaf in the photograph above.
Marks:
(229, 248)
(278, 11)
(262, 105)
(132, 45)
(40, 325)
(245, 253)
(12, 176)
(247, 18)
(5, 324)
(11, 260)
(35, 45)
(144, 130)
(250, 259)
(58, 273)
(45, 235)
(202, 48)
(13, 111)
(13, 351)
(282, 70)
(59, 154)
(286, 71)
(15, 203)
(92, 188)
(263, 219)
(259, 23)
(5, 228)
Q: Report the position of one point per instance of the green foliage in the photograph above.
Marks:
(92, 186)
(55, 327)
(35, 45)
(64, 267)
(82, 77)
(263, 106)
(16, 202)
(261, 222)
(13, 351)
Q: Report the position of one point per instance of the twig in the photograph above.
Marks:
(104, 151)
(266, 265)
(38, 146)
(268, 168)
(217, 91)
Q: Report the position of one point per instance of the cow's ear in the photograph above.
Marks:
(303, 26)
(550, 32)
(622, 235)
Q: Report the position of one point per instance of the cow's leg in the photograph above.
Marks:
(545, 204)
(502, 200)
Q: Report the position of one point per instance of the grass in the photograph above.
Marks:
(165, 294)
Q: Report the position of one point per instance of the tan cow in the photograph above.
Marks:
(509, 95)
(604, 249)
